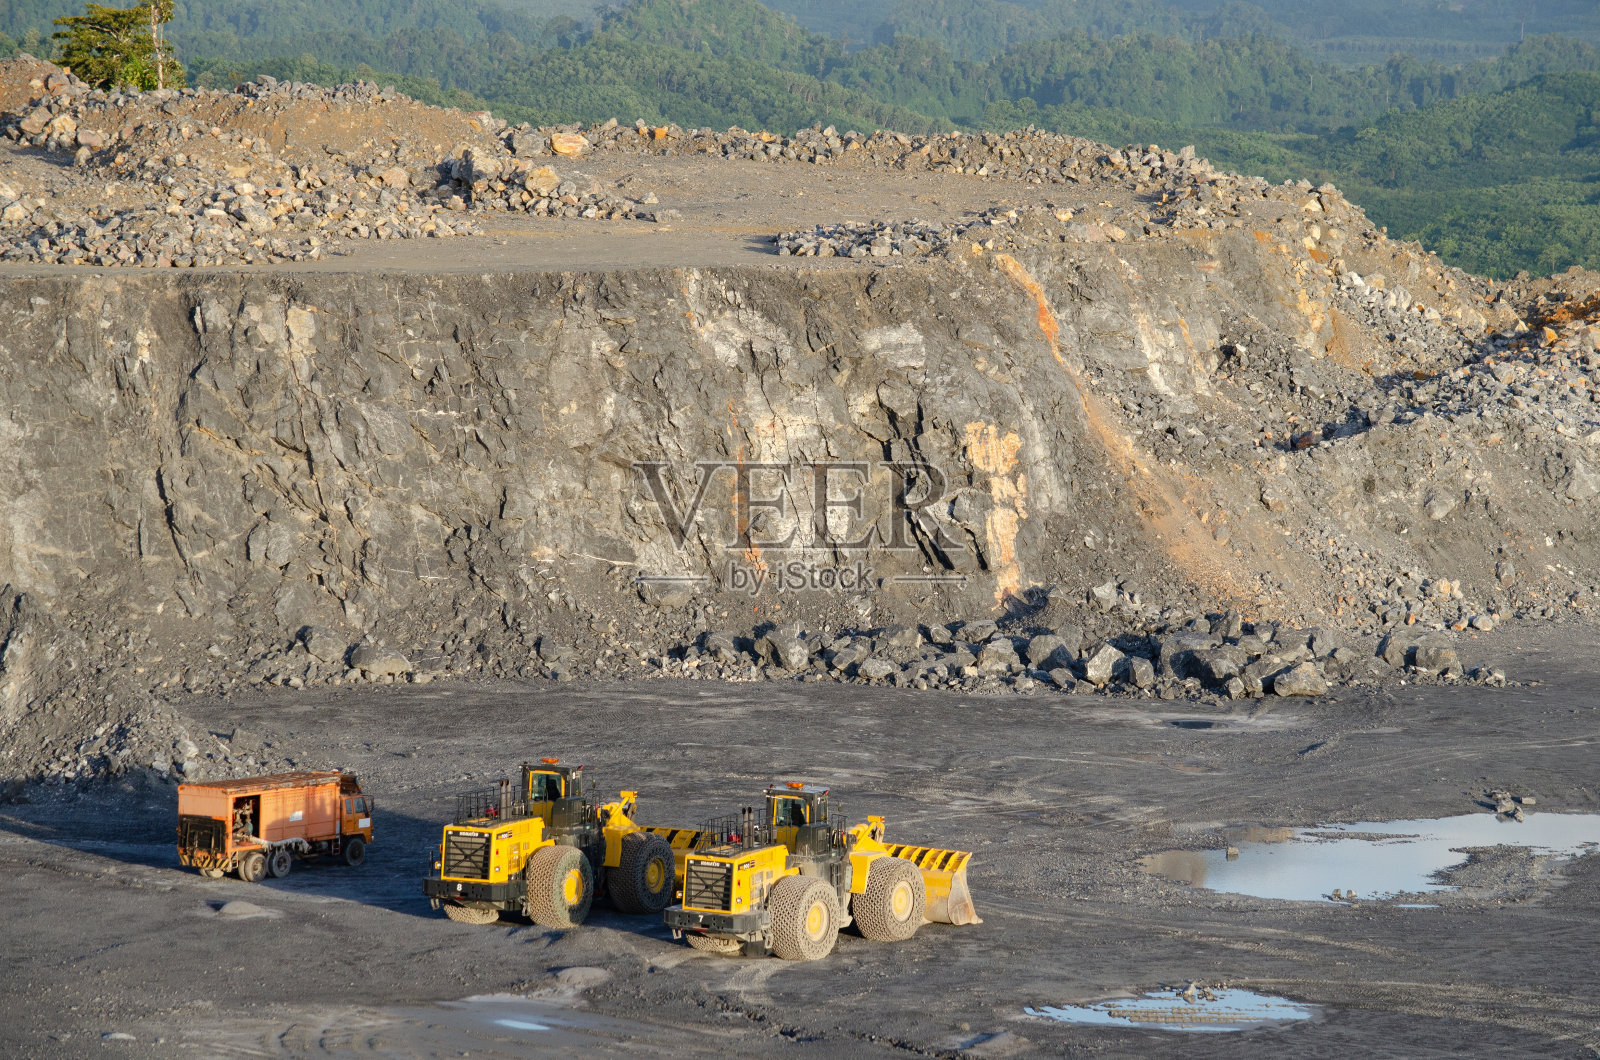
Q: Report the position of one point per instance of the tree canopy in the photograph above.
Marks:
(112, 46)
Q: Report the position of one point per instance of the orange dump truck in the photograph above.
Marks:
(257, 826)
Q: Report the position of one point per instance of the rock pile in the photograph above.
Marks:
(186, 178)
(1169, 657)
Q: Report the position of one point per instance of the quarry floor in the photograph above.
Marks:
(1059, 797)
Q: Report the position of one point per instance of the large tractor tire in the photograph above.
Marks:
(805, 918)
(720, 945)
(470, 914)
(560, 887)
(643, 880)
(280, 863)
(891, 907)
(252, 866)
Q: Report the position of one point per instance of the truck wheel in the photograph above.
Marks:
(890, 909)
(560, 885)
(805, 918)
(642, 881)
(252, 866)
(355, 851)
(720, 945)
(470, 914)
(280, 863)
(212, 874)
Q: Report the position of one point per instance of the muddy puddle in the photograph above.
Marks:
(1210, 1010)
(1371, 861)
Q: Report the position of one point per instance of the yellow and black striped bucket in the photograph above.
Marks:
(944, 877)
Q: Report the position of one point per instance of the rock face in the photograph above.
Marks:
(1173, 429)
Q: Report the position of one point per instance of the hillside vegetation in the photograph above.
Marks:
(1492, 160)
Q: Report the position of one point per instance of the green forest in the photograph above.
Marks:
(1480, 140)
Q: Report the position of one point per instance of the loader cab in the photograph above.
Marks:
(799, 816)
(555, 793)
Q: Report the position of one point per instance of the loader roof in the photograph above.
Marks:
(794, 787)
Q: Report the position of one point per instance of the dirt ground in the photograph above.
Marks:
(1059, 797)
(728, 213)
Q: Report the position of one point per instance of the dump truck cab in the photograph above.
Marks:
(787, 880)
(543, 849)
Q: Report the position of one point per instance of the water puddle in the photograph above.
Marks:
(1210, 1010)
(1370, 861)
(1191, 723)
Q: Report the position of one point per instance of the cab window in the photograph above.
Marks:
(545, 787)
(789, 813)
(355, 806)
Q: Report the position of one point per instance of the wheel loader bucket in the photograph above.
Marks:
(944, 877)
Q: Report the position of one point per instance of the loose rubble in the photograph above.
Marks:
(183, 183)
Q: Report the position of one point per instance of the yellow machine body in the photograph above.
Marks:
(490, 851)
(731, 879)
(793, 806)
(944, 872)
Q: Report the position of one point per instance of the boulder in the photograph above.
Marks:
(325, 645)
(1048, 651)
(569, 144)
(723, 647)
(393, 177)
(1142, 672)
(1216, 665)
(251, 214)
(784, 650)
(542, 181)
(374, 661)
(1395, 649)
(1301, 680)
(1064, 679)
(528, 144)
(666, 596)
(1324, 642)
(1071, 635)
(1436, 659)
(900, 637)
(848, 652)
(1104, 596)
(1102, 665)
(997, 657)
(979, 631)
(876, 669)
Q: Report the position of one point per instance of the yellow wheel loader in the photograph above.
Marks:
(544, 850)
(787, 880)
